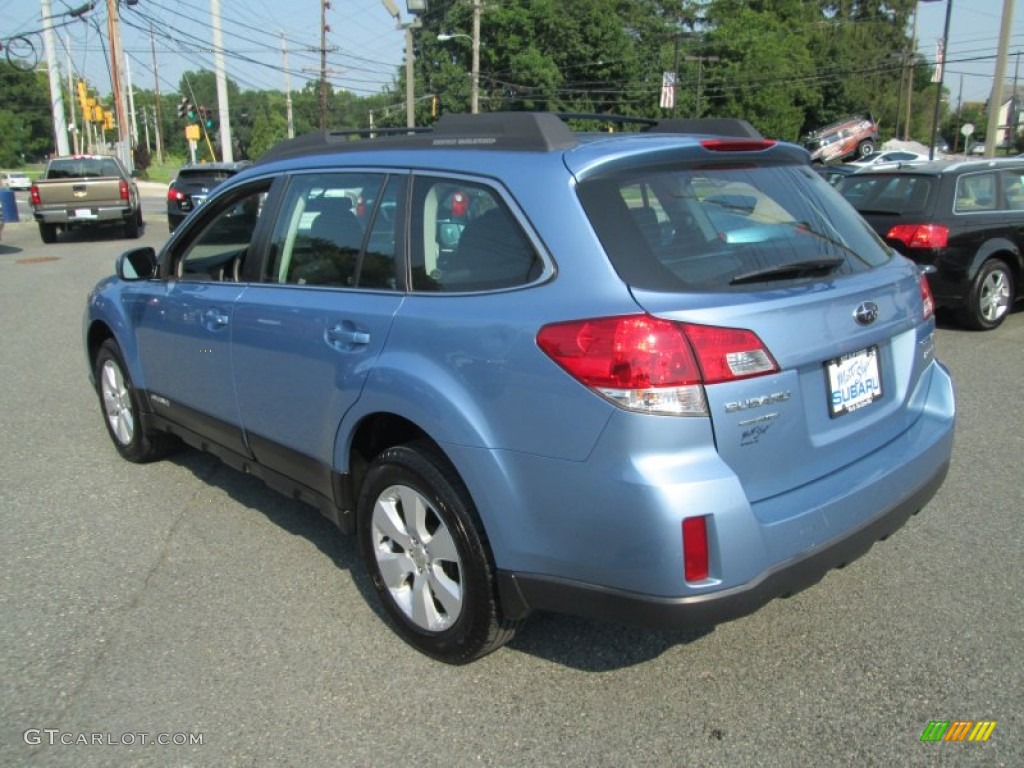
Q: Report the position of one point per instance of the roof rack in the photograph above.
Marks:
(509, 131)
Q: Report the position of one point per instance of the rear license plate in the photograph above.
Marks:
(84, 213)
(854, 381)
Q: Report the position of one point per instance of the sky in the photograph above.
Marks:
(366, 49)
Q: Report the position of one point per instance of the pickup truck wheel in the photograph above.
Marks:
(427, 556)
(122, 411)
(48, 232)
(133, 227)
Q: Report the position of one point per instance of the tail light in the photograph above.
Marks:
(920, 235)
(33, 192)
(737, 145)
(175, 195)
(125, 192)
(460, 204)
(927, 302)
(695, 549)
(649, 365)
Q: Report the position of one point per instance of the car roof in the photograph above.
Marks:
(455, 141)
(944, 167)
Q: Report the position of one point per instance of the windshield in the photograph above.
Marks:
(724, 228)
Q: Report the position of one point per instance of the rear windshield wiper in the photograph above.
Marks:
(793, 270)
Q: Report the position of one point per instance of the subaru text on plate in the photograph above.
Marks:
(659, 377)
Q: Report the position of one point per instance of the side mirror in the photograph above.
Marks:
(136, 264)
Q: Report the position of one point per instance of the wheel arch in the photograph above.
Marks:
(1002, 249)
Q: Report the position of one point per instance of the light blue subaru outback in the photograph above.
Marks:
(659, 377)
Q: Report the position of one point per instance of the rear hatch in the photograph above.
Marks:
(196, 185)
(746, 240)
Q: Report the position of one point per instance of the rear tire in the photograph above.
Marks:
(133, 226)
(428, 557)
(990, 298)
(122, 409)
(48, 232)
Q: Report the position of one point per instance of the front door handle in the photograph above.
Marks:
(346, 334)
(214, 319)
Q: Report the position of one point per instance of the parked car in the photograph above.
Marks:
(891, 157)
(851, 138)
(964, 221)
(976, 148)
(16, 181)
(85, 191)
(657, 377)
(193, 185)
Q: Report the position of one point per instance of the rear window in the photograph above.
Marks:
(713, 229)
(889, 193)
(195, 174)
(82, 168)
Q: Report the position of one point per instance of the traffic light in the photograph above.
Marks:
(184, 107)
(108, 121)
(206, 117)
(83, 95)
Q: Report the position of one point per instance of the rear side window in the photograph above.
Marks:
(713, 229)
(464, 238)
(975, 192)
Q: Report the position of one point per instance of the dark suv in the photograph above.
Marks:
(192, 186)
(965, 220)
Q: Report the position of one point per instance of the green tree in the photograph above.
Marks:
(269, 127)
(26, 121)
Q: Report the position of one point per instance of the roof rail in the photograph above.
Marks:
(508, 131)
(711, 126)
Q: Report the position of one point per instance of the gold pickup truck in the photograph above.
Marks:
(85, 191)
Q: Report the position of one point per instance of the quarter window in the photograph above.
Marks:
(976, 192)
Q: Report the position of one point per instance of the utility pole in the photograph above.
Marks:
(324, 5)
(133, 121)
(71, 95)
(910, 78)
(995, 102)
(287, 88)
(120, 110)
(60, 128)
(474, 98)
(156, 115)
(224, 117)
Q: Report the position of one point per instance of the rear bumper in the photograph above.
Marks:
(522, 593)
(97, 214)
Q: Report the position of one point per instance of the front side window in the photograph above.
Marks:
(222, 245)
(337, 229)
(465, 238)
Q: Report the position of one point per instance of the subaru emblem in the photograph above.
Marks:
(866, 313)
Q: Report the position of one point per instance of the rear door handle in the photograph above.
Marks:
(346, 334)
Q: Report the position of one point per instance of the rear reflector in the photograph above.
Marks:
(920, 235)
(695, 549)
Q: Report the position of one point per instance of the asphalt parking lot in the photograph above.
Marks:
(184, 603)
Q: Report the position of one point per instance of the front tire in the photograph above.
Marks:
(122, 410)
(427, 556)
(865, 149)
(990, 297)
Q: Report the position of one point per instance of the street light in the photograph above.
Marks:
(474, 94)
